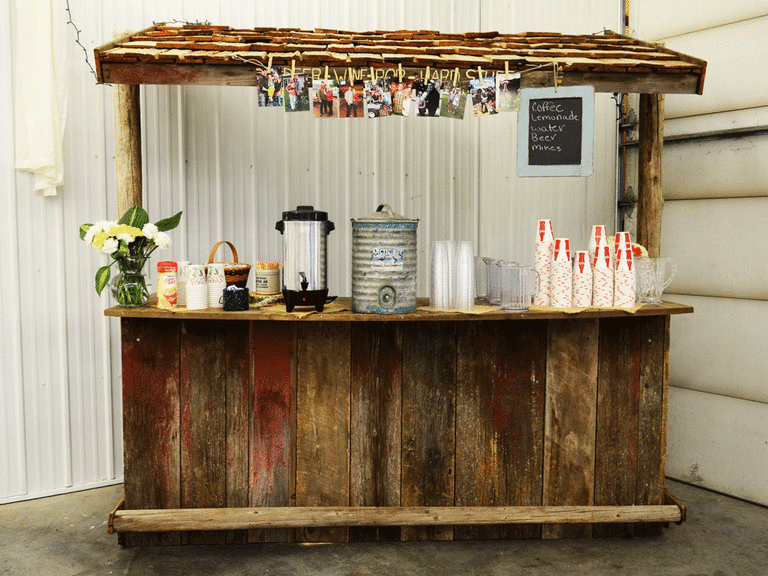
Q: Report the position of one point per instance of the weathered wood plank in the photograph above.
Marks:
(428, 442)
(273, 421)
(322, 422)
(500, 419)
(242, 518)
(650, 472)
(375, 422)
(571, 405)
(239, 400)
(520, 353)
(203, 394)
(150, 358)
(616, 439)
(480, 462)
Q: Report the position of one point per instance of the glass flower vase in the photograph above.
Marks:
(129, 287)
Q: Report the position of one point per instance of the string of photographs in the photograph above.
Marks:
(388, 96)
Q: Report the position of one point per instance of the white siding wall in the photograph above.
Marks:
(716, 194)
(233, 169)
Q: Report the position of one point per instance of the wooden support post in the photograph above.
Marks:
(127, 146)
(650, 204)
(127, 142)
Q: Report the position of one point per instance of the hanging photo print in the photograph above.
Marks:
(325, 94)
(428, 100)
(484, 96)
(454, 100)
(295, 93)
(270, 87)
(401, 97)
(508, 92)
(351, 101)
(378, 100)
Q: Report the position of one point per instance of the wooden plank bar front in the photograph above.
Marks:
(421, 426)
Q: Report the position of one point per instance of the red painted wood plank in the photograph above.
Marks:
(273, 427)
(150, 362)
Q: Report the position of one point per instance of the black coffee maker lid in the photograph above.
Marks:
(305, 214)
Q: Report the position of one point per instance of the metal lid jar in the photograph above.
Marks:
(384, 263)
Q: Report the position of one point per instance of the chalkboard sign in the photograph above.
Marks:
(556, 131)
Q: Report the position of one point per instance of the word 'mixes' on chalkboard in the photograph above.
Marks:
(556, 131)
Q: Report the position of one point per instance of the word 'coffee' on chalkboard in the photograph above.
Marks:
(556, 131)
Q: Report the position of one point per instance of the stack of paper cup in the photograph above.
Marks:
(197, 287)
(582, 280)
(181, 283)
(544, 244)
(596, 238)
(602, 278)
(561, 281)
(624, 279)
(622, 241)
(216, 284)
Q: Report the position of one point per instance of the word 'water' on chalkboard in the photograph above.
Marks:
(556, 131)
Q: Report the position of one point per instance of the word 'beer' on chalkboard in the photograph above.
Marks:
(556, 131)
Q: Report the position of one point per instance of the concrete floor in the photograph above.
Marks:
(67, 535)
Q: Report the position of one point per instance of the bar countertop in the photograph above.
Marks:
(340, 310)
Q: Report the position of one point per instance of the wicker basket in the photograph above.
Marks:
(234, 272)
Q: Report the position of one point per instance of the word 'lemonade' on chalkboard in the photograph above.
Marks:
(556, 131)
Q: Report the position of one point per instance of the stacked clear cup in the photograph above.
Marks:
(440, 272)
(464, 299)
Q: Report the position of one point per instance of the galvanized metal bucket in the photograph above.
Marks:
(384, 263)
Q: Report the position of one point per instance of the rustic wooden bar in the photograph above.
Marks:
(403, 427)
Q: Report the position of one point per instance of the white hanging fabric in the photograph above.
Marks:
(39, 89)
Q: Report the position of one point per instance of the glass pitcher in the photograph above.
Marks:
(519, 284)
(652, 276)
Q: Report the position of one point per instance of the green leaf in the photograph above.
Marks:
(83, 229)
(102, 278)
(168, 223)
(135, 216)
(122, 250)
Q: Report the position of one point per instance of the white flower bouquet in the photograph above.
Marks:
(128, 242)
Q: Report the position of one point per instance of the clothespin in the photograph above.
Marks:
(457, 74)
(269, 66)
(554, 71)
(373, 76)
(293, 68)
(326, 73)
(480, 73)
(506, 69)
(400, 72)
(426, 75)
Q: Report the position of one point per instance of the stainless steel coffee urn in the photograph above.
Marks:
(384, 263)
(305, 232)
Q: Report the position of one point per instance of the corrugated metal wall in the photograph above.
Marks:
(233, 169)
(716, 207)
